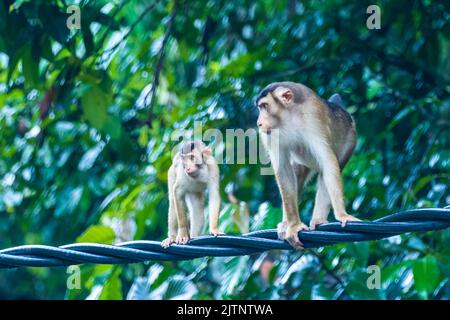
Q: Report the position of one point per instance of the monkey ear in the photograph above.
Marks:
(285, 95)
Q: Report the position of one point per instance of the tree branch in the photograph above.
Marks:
(132, 27)
(329, 271)
(159, 62)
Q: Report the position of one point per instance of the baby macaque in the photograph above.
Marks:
(193, 171)
(315, 136)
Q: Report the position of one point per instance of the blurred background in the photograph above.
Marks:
(85, 138)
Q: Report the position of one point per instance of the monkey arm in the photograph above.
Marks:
(172, 216)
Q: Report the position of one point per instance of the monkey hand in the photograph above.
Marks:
(182, 236)
(292, 235)
(167, 242)
(344, 218)
(315, 222)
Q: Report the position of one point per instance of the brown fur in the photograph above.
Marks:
(316, 136)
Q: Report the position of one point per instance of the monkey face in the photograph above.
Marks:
(266, 121)
(192, 163)
(273, 107)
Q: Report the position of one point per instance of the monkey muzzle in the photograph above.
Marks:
(193, 173)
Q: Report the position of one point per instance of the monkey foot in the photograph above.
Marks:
(292, 236)
(167, 242)
(315, 222)
(344, 218)
(182, 239)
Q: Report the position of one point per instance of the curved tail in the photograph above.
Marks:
(337, 100)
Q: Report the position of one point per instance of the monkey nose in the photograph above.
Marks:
(191, 172)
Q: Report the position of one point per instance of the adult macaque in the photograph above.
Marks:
(193, 171)
(314, 136)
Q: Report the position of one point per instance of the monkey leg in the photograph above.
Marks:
(290, 226)
(303, 175)
(183, 226)
(197, 213)
(322, 205)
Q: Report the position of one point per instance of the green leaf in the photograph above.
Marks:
(18, 3)
(227, 222)
(236, 274)
(113, 127)
(179, 288)
(423, 181)
(112, 289)
(88, 159)
(143, 136)
(14, 59)
(399, 116)
(426, 276)
(68, 200)
(54, 22)
(98, 234)
(94, 103)
(358, 288)
(30, 68)
(321, 292)
(3, 19)
(139, 290)
(374, 88)
(88, 39)
(360, 251)
(267, 217)
(107, 21)
(445, 258)
(393, 272)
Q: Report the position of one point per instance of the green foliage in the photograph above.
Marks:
(84, 156)
(426, 275)
(98, 234)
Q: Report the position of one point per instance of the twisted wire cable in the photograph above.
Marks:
(417, 220)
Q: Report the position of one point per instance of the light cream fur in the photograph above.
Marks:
(186, 193)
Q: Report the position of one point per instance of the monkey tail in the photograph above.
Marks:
(337, 100)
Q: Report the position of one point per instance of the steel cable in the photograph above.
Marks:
(417, 220)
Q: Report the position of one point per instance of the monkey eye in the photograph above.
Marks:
(263, 106)
(192, 157)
